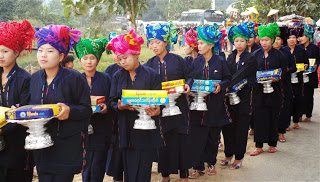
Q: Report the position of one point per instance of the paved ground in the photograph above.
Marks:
(296, 160)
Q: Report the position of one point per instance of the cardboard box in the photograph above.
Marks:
(145, 100)
(173, 83)
(96, 100)
(203, 88)
(239, 85)
(205, 82)
(268, 74)
(300, 66)
(95, 108)
(33, 112)
(3, 120)
(144, 93)
(175, 89)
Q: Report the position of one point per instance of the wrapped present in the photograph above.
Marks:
(3, 120)
(300, 66)
(33, 112)
(145, 100)
(199, 88)
(95, 108)
(205, 82)
(171, 84)
(144, 93)
(310, 69)
(268, 74)
(175, 89)
(97, 100)
(239, 85)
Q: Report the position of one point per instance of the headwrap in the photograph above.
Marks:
(308, 31)
(271, 30)
(251, 28)
(210, 35)
(191, 39)
(240, 30)
(163, 32)
(112, 35)
(89, 46)
(17, 36)
(126, 44)
(296, 31)
(61, 37)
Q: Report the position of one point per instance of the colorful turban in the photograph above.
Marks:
(210, 35)
(61, 37)
(163, 32)
(17, 36)
(89, 46)
(191, 38)
(271, 30)
(251, 28)
(112, 35)
(240, 30)
(308, 31)
(126, 44)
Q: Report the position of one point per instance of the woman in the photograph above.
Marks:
(252, 45)
(174, 155)
(15, 81)
(191, 47)
(69, 90)
(267, 106)
(242, 65)
(206, 125)
(300, 56)
(313, 52)
(285, 115)
(99, 139)
(139, 147)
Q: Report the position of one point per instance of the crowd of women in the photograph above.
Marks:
(179, 143)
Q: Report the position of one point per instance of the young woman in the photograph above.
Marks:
(313, 52)
(191, 47)
(242, 65)
(300, 56)
(206, 125)
(69, 90)
(15, 81)
(139, 147)
(267, 106)
(174, 155)
(252, 45)
(285, 115)
(89, 52)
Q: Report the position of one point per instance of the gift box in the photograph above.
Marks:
(203, 88)
(300, 66)
(239, 85)
(205, 82)
(171, 84)
(97, 100)
(268, 74)
(175, 90)
(33, 112)
(3, 120)
(145, 100)
(95, 108)
(310, 69)
(144, 93)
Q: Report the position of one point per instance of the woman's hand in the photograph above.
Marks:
(275, 80)
(153, 111)
(218, 88)
(104, 108)
(65, 112)
(186, 89)
(124, 106)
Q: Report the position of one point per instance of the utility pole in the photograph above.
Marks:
(213, 4)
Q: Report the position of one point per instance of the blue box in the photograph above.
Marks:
(145, 100)
(268, 74)
(203, 88)
(239, 85)
(205, 82)
(95, 108)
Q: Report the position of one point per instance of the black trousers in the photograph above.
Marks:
(12, 175)
(235, 135)
(95, 167)
(47, 177)
(115, 168)
(308, 100)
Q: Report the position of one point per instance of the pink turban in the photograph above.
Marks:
(191, 38)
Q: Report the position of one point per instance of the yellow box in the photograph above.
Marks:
(173, 83)
(3, 120)
(96, 100)
(144, 93)
(300, 66)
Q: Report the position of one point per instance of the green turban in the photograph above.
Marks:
(89, 46)
(271, 30)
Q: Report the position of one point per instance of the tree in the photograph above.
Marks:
(6, 8)
(133, 8)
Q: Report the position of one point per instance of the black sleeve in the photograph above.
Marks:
(249, 68)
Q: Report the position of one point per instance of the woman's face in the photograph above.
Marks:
(49, 57)
(188, 49)
(266, 43)
(129, 61)
(89, 63)
(277, 43)
(158, 46)
(7, 56)
(115, 58)
(204, 47)
(292, 40)
(240, 43)
(304, 39)
(251, 42)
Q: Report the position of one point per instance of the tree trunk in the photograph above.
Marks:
(133, 16)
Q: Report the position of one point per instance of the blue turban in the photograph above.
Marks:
(308, 31)
(210, 35)
(240, 30)
(252, 33)
(163, 32)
